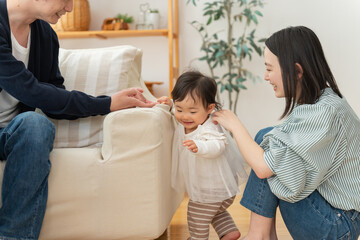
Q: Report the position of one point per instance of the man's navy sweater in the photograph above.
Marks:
(41, 84)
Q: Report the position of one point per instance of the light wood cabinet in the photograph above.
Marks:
(171, 33)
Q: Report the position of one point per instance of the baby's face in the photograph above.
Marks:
(191, 113)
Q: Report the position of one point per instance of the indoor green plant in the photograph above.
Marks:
(123, 21)
(153, 18)
(125, 18)
(154, 10)
(230, 52)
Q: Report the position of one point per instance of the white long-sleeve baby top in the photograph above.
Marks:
(214, 173)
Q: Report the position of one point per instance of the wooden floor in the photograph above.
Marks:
(178, 226)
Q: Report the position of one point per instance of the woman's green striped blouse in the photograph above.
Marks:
(317, 147)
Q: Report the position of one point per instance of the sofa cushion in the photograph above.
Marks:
(98, 71)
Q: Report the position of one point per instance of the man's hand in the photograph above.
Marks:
(191, 146)
(129, 98)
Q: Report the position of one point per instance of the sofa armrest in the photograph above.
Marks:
(137, 148)
(136, 131)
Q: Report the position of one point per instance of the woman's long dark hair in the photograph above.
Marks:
(196, 84)
(301, 45)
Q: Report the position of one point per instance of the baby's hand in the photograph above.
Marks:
(165, 100)
(190, 145)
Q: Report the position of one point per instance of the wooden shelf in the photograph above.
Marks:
(113, 33)
(150, 84)
(171, 33)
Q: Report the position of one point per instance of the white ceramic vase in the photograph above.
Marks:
(153, 20)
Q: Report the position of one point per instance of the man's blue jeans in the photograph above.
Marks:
(312, 218)
(25, 143)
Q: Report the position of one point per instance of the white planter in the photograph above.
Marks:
(153, 20)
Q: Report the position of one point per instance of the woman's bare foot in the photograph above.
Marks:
(259, 236)
(232, 235)
(261, 228)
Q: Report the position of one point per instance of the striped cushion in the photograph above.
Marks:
(98, 71)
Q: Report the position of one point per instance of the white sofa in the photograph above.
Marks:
(117, 185)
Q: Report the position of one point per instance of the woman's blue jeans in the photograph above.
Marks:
(25, 143)
(312, 218)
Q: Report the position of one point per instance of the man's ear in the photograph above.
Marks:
(211, 108)
(299, 70)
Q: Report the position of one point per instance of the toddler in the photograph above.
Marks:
(206, 162)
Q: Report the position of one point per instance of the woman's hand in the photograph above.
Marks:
(191, 146)
(129, 98)
(227, 119)
(251, 151)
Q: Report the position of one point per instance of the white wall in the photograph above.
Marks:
(335, 22)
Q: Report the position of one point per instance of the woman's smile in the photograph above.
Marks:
(274, 86)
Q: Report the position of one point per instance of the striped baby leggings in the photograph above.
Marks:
(201, 215)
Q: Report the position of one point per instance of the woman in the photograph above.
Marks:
(308, 165)
(29, 79)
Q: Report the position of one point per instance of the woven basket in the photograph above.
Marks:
(77, 20)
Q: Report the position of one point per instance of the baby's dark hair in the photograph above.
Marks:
(196, 84)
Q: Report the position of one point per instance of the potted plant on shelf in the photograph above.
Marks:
(230, 52)
(123, 21)
(153, 19)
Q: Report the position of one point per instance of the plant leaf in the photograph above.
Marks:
(222, 88)
(215, 65)
(257, 49)
(262, 40)
(242, 86)
(209, 20)
(236, 88)
(219, 54)
(254, 19)
(209, 12)
(257, 12)
(252, 33)
(246, 49)
(228, 87)
(193, 1)
(240, 80)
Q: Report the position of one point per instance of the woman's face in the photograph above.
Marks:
(51, 10)
(273, 73)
